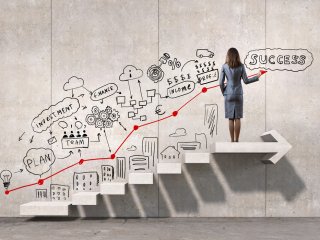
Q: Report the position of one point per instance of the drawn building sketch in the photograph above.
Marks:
(150, 148)
(85, 181)
(59, 192)
(188, 146)
(107, 173)
(41, 193)
(121, 167)
(139, 163)
(211, 118)
(170, 153)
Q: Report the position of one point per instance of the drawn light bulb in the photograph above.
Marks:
(6, 175)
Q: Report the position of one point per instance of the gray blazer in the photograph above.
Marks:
(234, 76)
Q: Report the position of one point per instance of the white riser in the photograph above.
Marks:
(140, 178)
(113, 188)
(197, 157)
(169, 168)
(85, 198)
(45, 209)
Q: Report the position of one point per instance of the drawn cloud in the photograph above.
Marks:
(180, 132)
(72, 83)
(132, 148)
(39, 160)
(130, 72)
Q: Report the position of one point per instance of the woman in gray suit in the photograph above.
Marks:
(231, 89)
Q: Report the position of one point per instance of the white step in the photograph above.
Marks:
(113, 188)
(197, 157)
(169, 168)
(45, 208)
(85, 198)
(140, 178)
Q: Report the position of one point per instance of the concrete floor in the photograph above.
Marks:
(161, 228)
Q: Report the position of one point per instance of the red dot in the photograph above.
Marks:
(6, 192)
(40, 181)
(204, 89)
(175, 113)
(81, 161)
(135, 127)
(113, 156)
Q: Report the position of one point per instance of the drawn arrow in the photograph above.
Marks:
(19, 171)
(79, 151)
(130, 89)
(31, 139)
(140, 89)
(20, 138)
(84, 107)
(161, 96)
(122, 126)
(188, 62)
(70, 152)
(81, 95)
(275, 147)
(87, 90)
(107, 140)
(98, 135)
(261, 71)
(119, 92)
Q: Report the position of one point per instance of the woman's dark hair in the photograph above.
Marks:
(233, 58)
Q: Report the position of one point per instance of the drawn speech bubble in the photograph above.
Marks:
(104, 91)
(277, 59)
(63, 124)
(47, 117)
(39, 160)
(181, 89)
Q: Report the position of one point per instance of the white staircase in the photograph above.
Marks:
(275, 146)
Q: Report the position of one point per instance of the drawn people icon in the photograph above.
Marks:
(71, 134)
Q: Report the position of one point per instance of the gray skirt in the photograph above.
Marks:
(233, 106)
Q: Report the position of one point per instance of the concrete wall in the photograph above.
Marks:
(44, 43)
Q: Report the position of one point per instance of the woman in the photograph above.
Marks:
(234, 70)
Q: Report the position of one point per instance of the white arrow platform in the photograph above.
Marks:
(275, 147)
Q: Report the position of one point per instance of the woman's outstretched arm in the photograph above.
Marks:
(245, 78)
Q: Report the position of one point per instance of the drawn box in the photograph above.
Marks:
(208, 77)
(143, 103)
(151, 93)
(131, 114)
(121, 100)
(76, 142)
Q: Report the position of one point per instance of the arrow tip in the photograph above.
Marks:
(263, 72)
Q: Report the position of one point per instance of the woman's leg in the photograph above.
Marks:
(231, 129)
(237, 128)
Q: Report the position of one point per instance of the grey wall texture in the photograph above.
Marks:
(44, 43)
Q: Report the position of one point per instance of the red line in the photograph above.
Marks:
(189, 101)
(95, 159)
(213, 86)
(63, 169)
(155, 121)
(24, 186)
(109, 158)
(123, 142)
